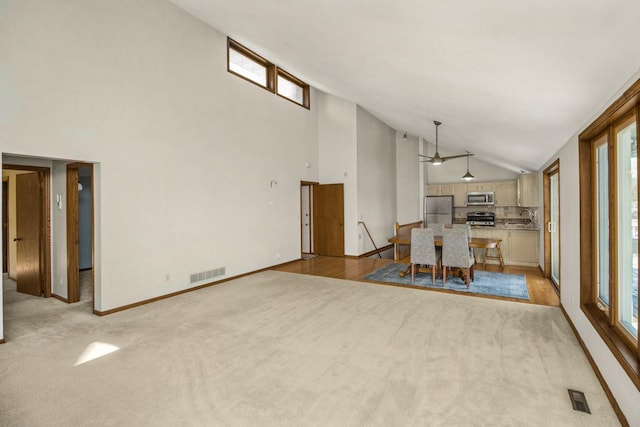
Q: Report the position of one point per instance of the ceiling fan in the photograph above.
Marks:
(436, 159)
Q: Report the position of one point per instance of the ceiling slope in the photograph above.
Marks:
(511, 81)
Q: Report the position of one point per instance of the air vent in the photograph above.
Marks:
(578, 401)
(206, 275)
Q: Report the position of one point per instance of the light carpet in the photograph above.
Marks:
(282, 349)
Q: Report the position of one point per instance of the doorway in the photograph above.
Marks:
(27, 207)
(80, 276)
(321, 219)
(306, 218)
(551, 184)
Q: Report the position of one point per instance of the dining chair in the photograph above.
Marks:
(455, 253)
(466, 227)
(423, 251)
(438, 228)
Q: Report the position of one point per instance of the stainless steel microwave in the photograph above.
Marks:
(480, 198)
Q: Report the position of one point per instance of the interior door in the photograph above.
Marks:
(328, 208)
(28, 215)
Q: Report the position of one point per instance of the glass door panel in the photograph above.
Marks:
(627, 180)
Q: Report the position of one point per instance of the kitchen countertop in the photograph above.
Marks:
(516, 226)
(504, 224)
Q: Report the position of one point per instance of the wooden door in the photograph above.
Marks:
(73, 238)
(28, 215)
(328, 221)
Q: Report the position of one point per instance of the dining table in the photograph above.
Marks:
(484, 243)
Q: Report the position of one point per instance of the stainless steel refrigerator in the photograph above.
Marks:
(438, 209)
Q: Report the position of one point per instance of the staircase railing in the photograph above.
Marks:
(370, 238)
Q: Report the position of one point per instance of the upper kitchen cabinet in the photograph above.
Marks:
(433, 190)
(527, 190)
(446, 189)
(482, 187)
(440, 190)
(460, 195)
(506, 193)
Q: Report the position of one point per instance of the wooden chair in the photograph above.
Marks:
(423, 251)
(455, 253)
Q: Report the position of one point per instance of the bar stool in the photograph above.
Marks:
(498, 256)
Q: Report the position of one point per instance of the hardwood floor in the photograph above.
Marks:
(541, 291)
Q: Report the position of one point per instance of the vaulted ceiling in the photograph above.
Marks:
(511, 81)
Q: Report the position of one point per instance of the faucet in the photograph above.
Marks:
(529, 213)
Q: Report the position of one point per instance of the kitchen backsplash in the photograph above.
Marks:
(503, 213)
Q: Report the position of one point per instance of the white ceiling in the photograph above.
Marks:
(511, 81)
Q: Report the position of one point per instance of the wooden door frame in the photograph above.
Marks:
(44, 175)
(5, 225)
(311, 186)
(73, 262)
(553, 168)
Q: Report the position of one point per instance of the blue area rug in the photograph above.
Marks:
(486, 282)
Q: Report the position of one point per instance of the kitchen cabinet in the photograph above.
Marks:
(523, 247)
(440, 190)
(446, 189)
(519, 247)
(433, 190)
(460, 195)
(527, 190)
(480, 186)
(487, 187)
(473, 186)
(506, 193)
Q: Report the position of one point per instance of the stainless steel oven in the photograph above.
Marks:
(487, 219)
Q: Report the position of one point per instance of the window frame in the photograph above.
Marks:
(296, 81)
(622, 344)
(596, 143)
(273, 72)
(232, 44)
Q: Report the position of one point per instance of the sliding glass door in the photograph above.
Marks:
(551, 181)
(553, 228)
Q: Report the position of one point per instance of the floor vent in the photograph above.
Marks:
(206, 275)
(578, 401)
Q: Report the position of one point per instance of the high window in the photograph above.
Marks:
(609, 227)
(256, 69)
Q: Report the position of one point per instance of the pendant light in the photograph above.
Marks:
(467, 176)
